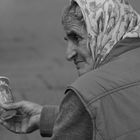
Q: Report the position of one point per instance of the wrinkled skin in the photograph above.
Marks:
(78, 50)
(27, 118)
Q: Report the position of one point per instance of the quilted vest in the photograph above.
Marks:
(111, 95)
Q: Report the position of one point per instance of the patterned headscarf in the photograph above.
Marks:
(107, 22)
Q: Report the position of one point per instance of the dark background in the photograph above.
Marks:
(32, 53)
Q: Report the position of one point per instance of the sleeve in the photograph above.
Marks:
(48, 116)
(73, 121)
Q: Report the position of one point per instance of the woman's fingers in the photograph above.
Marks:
(1, 122)
(4, 123)
(12, 126)
(11, 106)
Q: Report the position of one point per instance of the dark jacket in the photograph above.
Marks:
(111, 93)
(111, 96)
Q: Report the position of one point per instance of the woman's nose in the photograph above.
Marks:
(70, 52)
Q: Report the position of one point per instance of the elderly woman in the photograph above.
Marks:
(104, 102)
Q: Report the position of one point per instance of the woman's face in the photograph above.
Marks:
(77, 50)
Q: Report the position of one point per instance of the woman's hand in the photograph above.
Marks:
(27, 118)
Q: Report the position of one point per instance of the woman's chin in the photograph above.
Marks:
(83, 68)
(82, 71)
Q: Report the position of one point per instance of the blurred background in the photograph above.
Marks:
(32, 53)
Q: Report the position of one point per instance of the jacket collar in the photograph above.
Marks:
(120, 48)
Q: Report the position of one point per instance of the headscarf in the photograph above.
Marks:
(107, 22)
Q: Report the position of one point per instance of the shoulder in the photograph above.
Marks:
(71, 103)
(119, 72)
(72, 117)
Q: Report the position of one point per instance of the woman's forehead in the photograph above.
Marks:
(74, 26)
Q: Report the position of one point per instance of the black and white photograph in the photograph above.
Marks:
(69, 70)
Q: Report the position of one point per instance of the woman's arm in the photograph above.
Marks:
(73, 121)
(48, 116)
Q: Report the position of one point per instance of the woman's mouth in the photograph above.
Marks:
(79, 64)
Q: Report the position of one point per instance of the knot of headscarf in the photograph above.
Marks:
(107, 22)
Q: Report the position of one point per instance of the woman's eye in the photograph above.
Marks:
(76, 38)
(73, 37)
